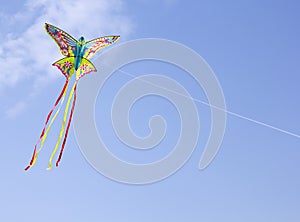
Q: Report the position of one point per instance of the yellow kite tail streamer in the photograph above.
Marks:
(62, 127)
(35, 154)
(50, 124)
(68, 127)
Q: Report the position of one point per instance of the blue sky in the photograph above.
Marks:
(253, 48)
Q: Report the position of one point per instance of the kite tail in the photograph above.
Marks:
(51, 122)
(62, 127)
(43, 134)
(33, 159)
(68, 127)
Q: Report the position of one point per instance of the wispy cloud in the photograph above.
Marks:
(28, 52)
(25, 53)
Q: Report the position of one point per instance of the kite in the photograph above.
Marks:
(77, 54)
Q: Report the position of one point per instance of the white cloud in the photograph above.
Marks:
(29, 54)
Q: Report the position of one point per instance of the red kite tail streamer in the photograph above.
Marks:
(68, 127)
(62, 126)
(43, 135)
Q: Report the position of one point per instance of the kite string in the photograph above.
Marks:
(216, 107)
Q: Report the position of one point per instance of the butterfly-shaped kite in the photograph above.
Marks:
(77, 54)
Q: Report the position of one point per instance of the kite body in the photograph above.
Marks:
(77, 54)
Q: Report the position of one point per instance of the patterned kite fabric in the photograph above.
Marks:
(77, 54)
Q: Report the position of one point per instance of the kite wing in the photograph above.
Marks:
(65, 42)
(95, 45)
(66, 66)
(68, 47)
(85, 68)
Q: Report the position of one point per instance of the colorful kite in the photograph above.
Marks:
(77, 54)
